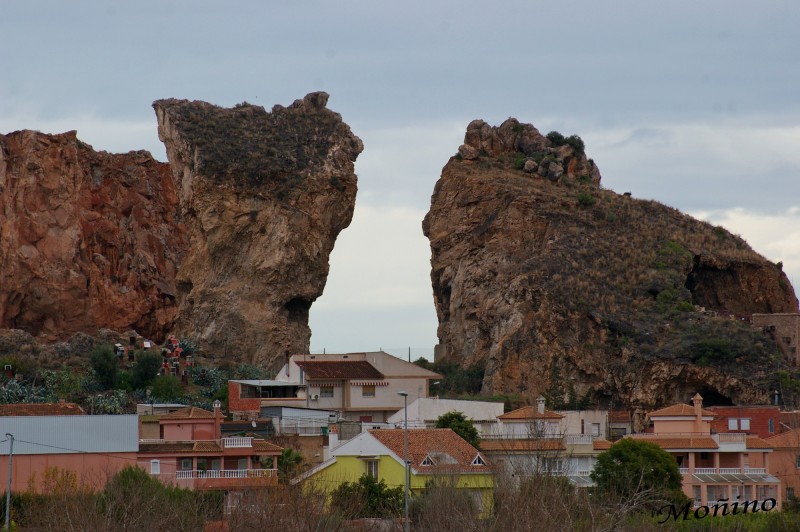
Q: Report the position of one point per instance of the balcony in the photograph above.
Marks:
(226, 478)
(579, 439)
(237, 442)
(725, 471)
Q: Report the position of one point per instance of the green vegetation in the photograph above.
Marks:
(459, 424)
(145, 369)
(585, 199)
(574, 141)
(456, 380)
(105, 366)
(289, 465)
(632, 468)
(367, 498)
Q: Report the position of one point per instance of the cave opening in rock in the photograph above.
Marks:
(712, 397)
(298, 308)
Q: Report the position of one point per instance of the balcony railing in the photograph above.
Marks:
(226, 473)
(731, 437)
(237, 441)
(724, 470)
(579, 439)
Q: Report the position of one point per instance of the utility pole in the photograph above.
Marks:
(8, 492)
(407, 523)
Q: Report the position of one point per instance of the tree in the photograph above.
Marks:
(368, 498)
(459, 424)
(105, 366)
(166, 388)
(288, 464)
(145, 370)
(632, 467)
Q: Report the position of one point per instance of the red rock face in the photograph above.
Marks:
(557, 286)
(88, 240)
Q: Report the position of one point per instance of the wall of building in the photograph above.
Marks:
(92, 470)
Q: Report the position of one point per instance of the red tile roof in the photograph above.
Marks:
(619, 416)
(439, 444)
(667, 441)
(522, 446)
(190, 412)
(787, 440)
(601, 445)
(529, 412)
(340, 369)
(680, 409)
(41, 409)
(754, 442)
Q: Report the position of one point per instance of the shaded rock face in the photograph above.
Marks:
(264, 196)
(557, 286)
(88, 240)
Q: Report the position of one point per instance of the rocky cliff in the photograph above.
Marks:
(555, 285)
(264, 196)
(88, 240)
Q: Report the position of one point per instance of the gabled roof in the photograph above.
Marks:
(786, 440)
(190, 412)
(680, 410)
(529, 412)
(435, 443)
(601, 445)
(668, 441)
(754, 442)
(41, 409)
(339, 369)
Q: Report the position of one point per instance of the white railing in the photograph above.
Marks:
(731, 437)
(729, 470)
(755, 470)
(584, 472)
(705, 470)
(151, 440)
(579, 439)
(226, 473)
(684, 470)
(237, 441)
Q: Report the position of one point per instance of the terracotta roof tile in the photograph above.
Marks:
(189, 412)
(527, 445)
(340, 369)
(435, 443)
(754, 442)
(41, 409)
(529, 412)
(262, 445)
(787, 440)
(167, 447)
(619, 416)
(680, 409)
(601, 445)
(668, 441)
(209, 446)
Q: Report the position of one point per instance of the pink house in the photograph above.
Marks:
(714, 466)
(192, 453)
(48, 436)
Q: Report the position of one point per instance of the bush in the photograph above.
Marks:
(166, 388)
(585, 199)
(459, 424)
(145, 370)
(105, 366)
(368, 498)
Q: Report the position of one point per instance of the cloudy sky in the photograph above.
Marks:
(694, 104)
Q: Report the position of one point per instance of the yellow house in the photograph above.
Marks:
(434, 455)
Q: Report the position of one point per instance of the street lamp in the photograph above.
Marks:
(10, 469)
(405, 457)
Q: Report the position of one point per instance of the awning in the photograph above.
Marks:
(370, 383)
(753, 478)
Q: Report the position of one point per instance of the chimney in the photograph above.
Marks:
(697, 401)
(540, 404)
(217, 419)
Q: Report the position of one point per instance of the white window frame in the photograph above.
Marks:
(155, 467)
(326, 392)
(365, 392)
(733, 423)
(372, 468)
(744, 423)
(184, 462)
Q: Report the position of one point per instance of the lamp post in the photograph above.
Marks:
(8, 492)
(407, 523)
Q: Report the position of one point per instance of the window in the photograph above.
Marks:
(790, 493)
(368, 390)
(155, 467)
(744, 424)
(771, 425)
(733, 424)
(427, 461)
(797, 461)
(372, 468)
(326, 392)
(478, 461)
(595, 429)
(186, 464)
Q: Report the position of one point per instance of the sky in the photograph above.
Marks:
(693, 104)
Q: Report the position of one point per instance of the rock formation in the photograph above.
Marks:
(264, 196)
(556, 285)
(88, 240)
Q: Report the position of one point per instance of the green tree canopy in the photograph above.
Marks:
(459, 424)
(367, 498)
(289, 463)
(105, 366)
(632, 467)
(145, 370)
